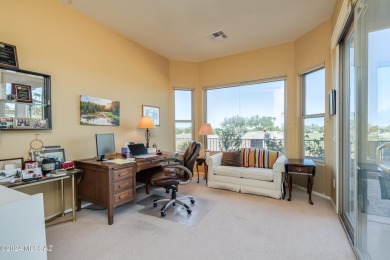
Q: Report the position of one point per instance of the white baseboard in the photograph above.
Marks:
(313, 192)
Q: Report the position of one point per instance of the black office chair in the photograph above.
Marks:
(172, 175)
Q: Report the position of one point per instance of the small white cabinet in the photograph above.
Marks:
(22, 225)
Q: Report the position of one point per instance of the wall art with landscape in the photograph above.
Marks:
(98, 111)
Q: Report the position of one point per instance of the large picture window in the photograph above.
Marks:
(313, 111)
(248, 115)
(184, 124)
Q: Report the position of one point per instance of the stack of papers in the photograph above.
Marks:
(121, 161)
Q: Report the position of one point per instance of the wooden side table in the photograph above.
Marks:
(199, 162)
(300, 167)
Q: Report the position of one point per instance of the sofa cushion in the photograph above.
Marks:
(228, 171)
(262, 174)
(232, 159)
(265, 158)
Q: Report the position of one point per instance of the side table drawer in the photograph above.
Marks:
(123, 196)
(123, 185)
(300, 169)
(122, 174)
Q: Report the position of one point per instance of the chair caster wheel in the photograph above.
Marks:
(189, 211)
(155, 204)
(192, 202)
(163, 214)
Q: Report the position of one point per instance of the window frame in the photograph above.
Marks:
(304, 115)
(191, 121)
(283, 78)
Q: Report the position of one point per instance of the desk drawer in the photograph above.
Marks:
(123, 197)
(123, 185)
(122, 174)
(300, 169)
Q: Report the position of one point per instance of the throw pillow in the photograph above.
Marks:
(248, 157)
(265, 158)
(232, 159)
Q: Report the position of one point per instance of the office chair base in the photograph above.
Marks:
(172, 202)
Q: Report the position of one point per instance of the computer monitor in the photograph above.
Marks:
(105, 143)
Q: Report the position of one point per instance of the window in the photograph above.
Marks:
(184, 124)
(246, 115)
(313, 112)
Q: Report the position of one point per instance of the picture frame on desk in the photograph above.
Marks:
(30, 165)
(58, 154)
(11, 170)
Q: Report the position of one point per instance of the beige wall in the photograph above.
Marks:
(287, 60)
(86, 58)
(83, 58)
(312, 49)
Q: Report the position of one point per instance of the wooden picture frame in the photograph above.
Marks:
(153, 112)
(8, 56)
(11, 169)
(22, 93)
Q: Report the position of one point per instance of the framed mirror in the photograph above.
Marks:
(24, 100)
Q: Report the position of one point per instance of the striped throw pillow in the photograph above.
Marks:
(248, 157)
(265, 158)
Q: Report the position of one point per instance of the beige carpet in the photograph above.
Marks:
(239, 226)
(177, 213)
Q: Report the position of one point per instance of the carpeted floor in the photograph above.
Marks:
(177, 213)
(237, 226)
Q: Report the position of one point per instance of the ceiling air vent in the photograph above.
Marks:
(218, 36)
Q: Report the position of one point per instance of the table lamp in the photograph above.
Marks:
(204, 130)
(146, 123)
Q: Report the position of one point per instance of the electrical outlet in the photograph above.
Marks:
(334, 184)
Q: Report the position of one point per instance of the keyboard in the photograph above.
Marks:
(143, 156)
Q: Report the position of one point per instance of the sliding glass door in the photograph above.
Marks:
(372, 63)
(349, 163)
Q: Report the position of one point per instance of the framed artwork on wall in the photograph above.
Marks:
(153, 112)
(99, 111)
(8, 56)
(332, 102)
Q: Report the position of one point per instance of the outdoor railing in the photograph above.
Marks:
(213, 145)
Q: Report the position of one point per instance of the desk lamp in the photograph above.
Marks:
(204, 130)
(146, 123)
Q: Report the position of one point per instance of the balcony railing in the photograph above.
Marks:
(213, 145)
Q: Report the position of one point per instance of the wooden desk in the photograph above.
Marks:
(108, 184)
(300, 167)
(60, 216)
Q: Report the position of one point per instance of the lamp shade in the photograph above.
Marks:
(146, 122)
(206, 129)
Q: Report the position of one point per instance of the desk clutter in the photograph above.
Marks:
(44, 160)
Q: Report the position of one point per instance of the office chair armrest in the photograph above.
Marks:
(169, 161)
(178, 166)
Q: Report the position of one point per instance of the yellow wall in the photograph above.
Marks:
(312, 49)
(85, 58)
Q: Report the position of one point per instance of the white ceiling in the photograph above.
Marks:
(179, 29)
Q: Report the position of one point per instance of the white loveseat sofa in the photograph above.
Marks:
(259, 181)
